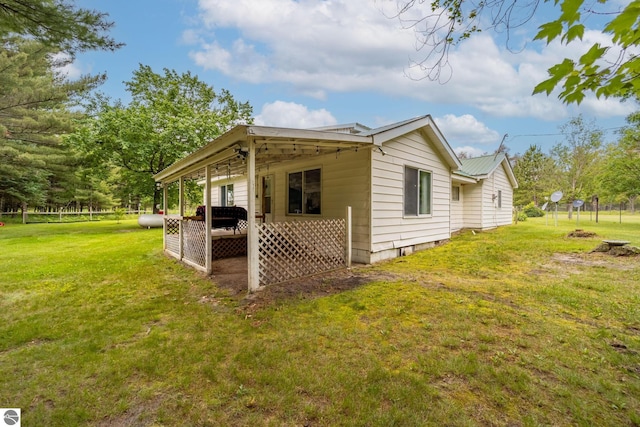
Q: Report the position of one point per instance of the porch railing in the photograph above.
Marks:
(186, 240)
(288, 250)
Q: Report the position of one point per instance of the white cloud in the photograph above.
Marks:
(290, 114)
(336, 45)
(191, 37)
(466, 129)
(323, 46)
(66, 67)
(603, 108)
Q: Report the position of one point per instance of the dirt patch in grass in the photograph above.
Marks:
(595, 259)
(231, 275)
(582, 234)
(566, 264)
(579, 259)
(324, 284)
(138, 414)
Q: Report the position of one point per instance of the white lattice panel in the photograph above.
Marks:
(288, 250)
(228, 247)
(194, 245)
(172, 236)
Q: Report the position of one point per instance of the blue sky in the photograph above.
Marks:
(310, 63)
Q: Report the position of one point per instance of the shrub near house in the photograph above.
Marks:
(532, 211)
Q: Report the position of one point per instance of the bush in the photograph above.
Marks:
(522, 216)
(119, 214)
(533, 211)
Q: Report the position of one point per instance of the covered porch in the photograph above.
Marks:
(277, 249)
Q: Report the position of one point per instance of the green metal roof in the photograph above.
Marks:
(480, 166)
(483, 166)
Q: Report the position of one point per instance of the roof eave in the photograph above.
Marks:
(213, 149)
(465, 179)
(428, 126)
(510, 173)
(225, 146)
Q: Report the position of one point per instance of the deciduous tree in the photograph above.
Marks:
(170, 115)
(622, 173)
(535, 172)
(578, 159)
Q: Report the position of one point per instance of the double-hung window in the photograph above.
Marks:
(417, 192)
(305, 192)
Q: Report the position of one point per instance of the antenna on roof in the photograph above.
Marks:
(500, 146)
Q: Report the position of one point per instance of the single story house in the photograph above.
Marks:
(335, 195)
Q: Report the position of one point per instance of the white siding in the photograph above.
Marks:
(481, 209)
(494, 215)
(345, 182)
(457, 210)
(488, 202)
(472, 215)
(392, 232)
(240, 193)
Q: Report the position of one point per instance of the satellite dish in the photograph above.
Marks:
(555, 197)
(578, 203)
(544, 207)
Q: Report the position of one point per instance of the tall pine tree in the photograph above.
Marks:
(34, 112)
(37, 38)
(57, 24)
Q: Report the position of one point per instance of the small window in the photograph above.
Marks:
(226, 195)
(499, 198)
(417, 192)
(455, 193)
(305, 192)
(266, 194)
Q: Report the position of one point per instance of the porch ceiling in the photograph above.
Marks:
(226, 154)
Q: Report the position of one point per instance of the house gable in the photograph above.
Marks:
(482, 167)
(488, 203)
(424, 124)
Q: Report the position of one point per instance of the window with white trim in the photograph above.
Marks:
(226, 195)
(417, 191)
(305, 192)
(455, 193)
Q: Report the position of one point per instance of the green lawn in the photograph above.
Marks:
(516, 326)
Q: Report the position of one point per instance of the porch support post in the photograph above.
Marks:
(207, 219)
(348, 238)
(253, 278)
(165, 206)
(181, 222)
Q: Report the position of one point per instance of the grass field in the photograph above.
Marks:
(519, 326)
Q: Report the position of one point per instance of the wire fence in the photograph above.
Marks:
(35, 216)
